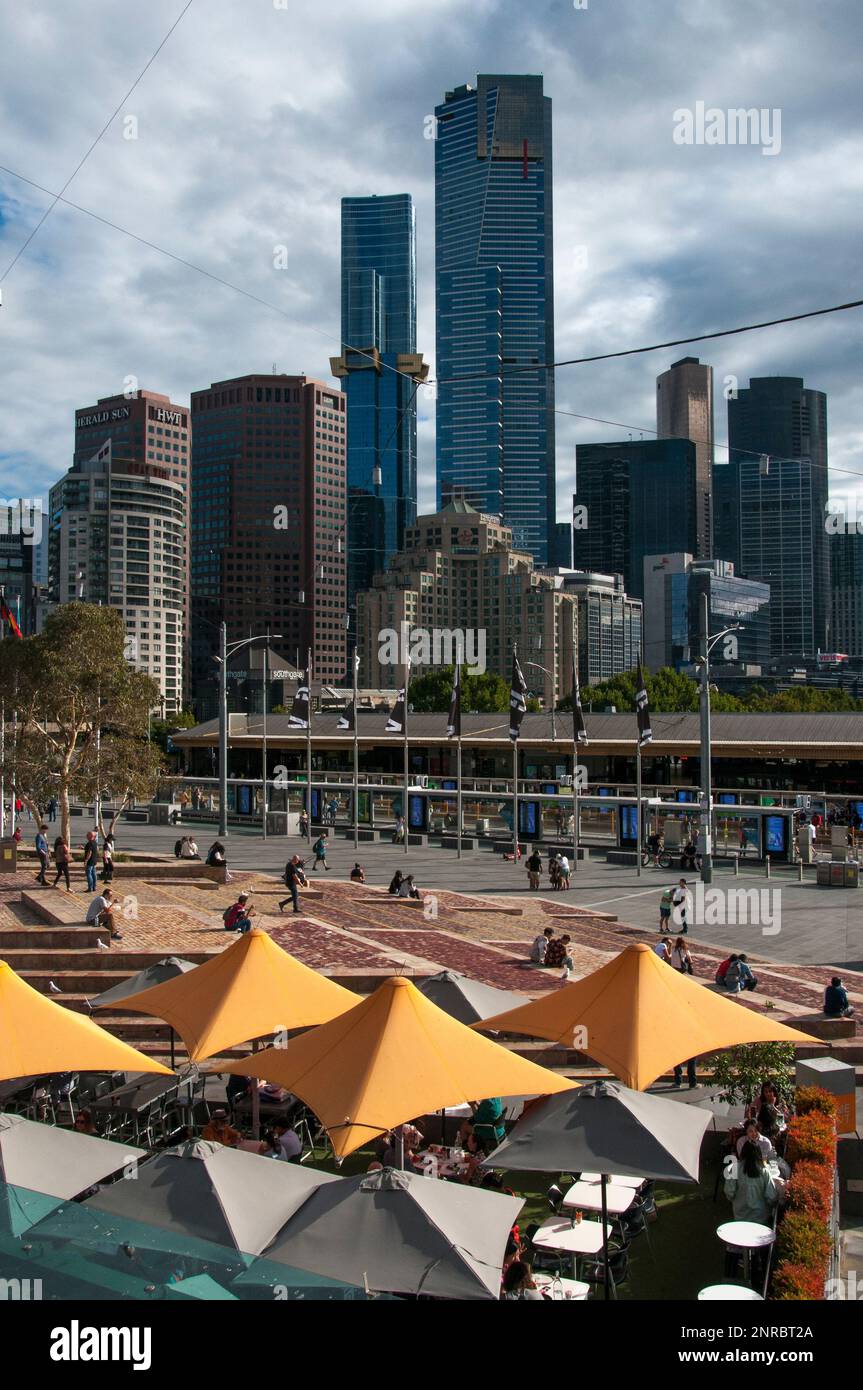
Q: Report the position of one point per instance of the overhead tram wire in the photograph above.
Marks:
(79, 166)
(692, 439)
(191, 265)
(652, 347)
(435, 381)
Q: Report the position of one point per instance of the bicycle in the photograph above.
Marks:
(661, 860)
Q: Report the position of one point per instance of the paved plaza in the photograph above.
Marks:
(816, 926)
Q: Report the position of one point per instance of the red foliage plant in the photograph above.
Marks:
(810, 1189)
(809, 1098)
(797, 1283)
(813, 1137)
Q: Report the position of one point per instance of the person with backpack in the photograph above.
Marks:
(295, 879)
(238, 916)
(320, 851)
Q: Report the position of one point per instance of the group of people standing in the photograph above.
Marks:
(559, 870)
(62, 856)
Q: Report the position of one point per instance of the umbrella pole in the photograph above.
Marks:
(173, 1067)
(603, 1181)
(256, 1102)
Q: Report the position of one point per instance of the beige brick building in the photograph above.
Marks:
(459, 574)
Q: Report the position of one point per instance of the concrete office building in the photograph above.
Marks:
(673, 589)
(119, 529)
(684, 410)
(495, 304)
(459, 572)
(268, 520)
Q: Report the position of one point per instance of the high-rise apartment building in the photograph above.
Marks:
(610, 624)
(118, 527)
(268, 520)
(684, 410)
(495, 304)
(460, 573)
(379, 370)
(633, 499)
(771, 503)
(846, 572)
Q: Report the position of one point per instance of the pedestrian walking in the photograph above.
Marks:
(62, 857)
(564, 872)
(294, 879)
(52, 809)
(304, 823)
(42, 851)
(320, 851)
(91, 859)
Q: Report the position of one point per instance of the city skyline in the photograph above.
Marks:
(620, 280)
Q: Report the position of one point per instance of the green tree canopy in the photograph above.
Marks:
(82, 710)
(481, 694)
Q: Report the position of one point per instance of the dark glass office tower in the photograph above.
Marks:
(846, 572)
(770, 507)
(379, 370)
(632, 500)
(495, 305)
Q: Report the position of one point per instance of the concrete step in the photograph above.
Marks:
(85, 958)
(49, 938)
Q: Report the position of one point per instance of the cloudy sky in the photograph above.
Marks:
(258, 115)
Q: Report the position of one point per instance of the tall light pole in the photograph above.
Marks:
(707, 645)
(224, 652)
(537, 667)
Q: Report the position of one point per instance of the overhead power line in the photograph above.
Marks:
(79, 166)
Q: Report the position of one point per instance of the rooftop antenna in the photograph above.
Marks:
(275, 370)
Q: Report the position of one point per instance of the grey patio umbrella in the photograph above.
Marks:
(42, 1167)
(157, 974)
(207, 1192)
(397, 1232)
(468, 1000)
(606, 1128)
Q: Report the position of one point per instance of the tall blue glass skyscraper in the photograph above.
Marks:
(495, 306)
(379, 368)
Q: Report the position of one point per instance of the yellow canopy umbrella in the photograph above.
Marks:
(392, 1057)
(251, 989)
(638, 1017)
(39, 1037)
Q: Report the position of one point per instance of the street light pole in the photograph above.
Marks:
(224, 652)
(706, 786)
(707, 645)
(223, 729)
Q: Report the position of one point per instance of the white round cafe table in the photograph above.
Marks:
(746, 1235)
(729, 1293)
(574, 1289)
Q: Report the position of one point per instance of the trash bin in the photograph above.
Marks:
(8, 855)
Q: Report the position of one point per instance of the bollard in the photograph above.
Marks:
(737, 866)
(767, 868)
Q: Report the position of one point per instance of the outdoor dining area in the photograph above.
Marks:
(422, 1157)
